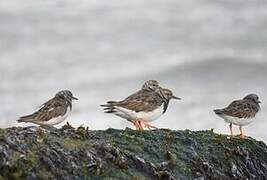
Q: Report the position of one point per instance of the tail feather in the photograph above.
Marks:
(105, 105)
(109, 107)
(27, 118)
(109, 110)
(109, 104)
(218, 111)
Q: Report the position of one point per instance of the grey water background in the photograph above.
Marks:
(209, 52)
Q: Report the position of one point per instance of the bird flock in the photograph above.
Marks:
(141, 108)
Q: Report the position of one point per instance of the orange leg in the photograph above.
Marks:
(137, 125)
(231, 129)
(141, 128)
(241, 132)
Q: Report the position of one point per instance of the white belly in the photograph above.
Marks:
(237, 121)
(57, 120)
(145, 116)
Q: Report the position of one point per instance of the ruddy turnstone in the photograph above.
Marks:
(240, 112)
(143, 107)
(53, 111)
(147, 89)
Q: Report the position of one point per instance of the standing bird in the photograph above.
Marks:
(240, 112)
(142, 107)
(53, 111)
(145, 92)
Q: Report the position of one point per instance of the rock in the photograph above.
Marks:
(69, 153)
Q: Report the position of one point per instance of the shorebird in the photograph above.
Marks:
(240, 112)
(53, 111)
(142, 107)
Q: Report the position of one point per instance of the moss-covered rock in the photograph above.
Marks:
(68, 153)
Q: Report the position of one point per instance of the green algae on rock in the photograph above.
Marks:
(69, 153)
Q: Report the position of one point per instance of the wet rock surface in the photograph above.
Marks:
(68, 153)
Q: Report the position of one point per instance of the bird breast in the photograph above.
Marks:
(57, 120)
(146, 116)
(237, 121)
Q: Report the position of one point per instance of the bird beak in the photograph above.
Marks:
(74, 98)
(174, 97)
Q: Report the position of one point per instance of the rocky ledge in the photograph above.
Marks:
(68, 153)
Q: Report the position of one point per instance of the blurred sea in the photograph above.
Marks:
(208, 52)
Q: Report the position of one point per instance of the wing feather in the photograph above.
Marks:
(50, 109)
(240, 109)
(143, 100)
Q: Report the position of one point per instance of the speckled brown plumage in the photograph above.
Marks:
(243, 108)
(240, 112)
(144, 101)
(55, 107)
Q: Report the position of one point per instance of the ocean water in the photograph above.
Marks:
(208, 52)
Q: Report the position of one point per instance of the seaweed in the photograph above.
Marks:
(81, 153)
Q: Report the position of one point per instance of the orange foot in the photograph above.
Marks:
(149, 126)
(146, 125)
(138, 125)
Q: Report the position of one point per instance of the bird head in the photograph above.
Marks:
(253, 97)
(66, 94)
(166, 94)
(151, 85)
